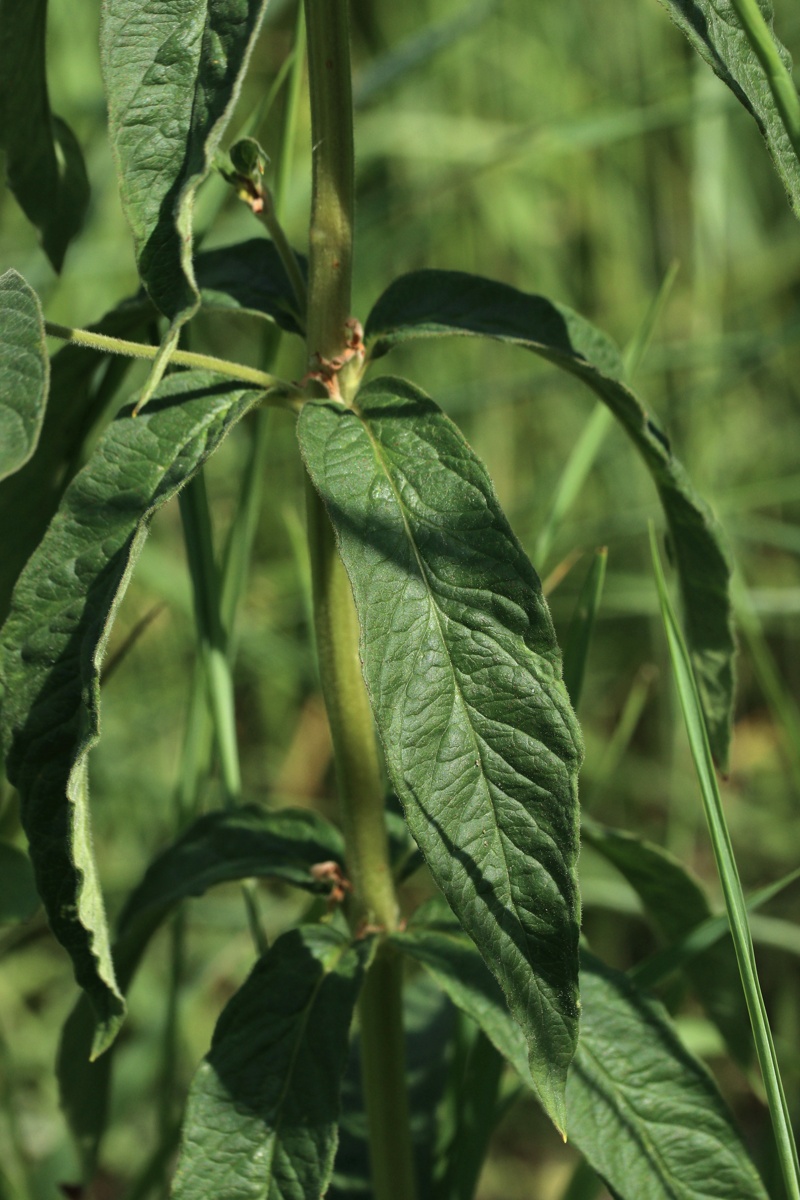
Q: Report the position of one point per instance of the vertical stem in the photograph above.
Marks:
(336, 623)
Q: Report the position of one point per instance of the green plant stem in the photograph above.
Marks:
(358, 766)
(333, 175)
(179, 358)
(781, 84)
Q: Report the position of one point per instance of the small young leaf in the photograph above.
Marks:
(43, 159)
(263, 1108)
(676, 903)
(53, 641)
(218, 847)
(437, 303)
(464, 675)
(24, 372)
(172, 75)
(715, 29)
(643, 1111)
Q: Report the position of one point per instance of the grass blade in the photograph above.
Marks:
(731, 884)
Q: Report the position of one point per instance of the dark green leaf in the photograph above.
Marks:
(436, 303)
(55, 636)
(464, 675)
(250, 276)
(43, 160)
(263, 1108)
(643, 1111)
(79, 390)
(676, 903)
(172, 74)
(24, 372)
(241, 843)
(715, 30)
(19, 899)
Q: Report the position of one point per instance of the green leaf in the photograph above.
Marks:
(436, 303)
(219, 847)
(44, 164)
(717, 32)
(463, 671)
(53, 641)
(263, 1108)
(676, 903)
(581, 627)
(79, 391)
(644, 1112)
(19, 899)
(250, 276)
(172, 74)
(24, 372)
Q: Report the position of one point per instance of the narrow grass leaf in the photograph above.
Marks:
(54, 638)
(464, 676)
(438, 303)
(44, 164)
(243, 843)
(581, 627)
(263, 1109)
(722, 34)
(24, 372)
(172, 74)
(644, 1113)
(676, 904)
(731, 884)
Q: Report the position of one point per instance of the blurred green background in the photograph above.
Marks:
(575, 148)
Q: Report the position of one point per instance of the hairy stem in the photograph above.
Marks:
(357, 760)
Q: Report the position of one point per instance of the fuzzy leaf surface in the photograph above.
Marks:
(24, 372)
(262, 1115)
(715, 30)
(644, 1112)
(464, 675)
(172, 74)
(676, 903)
(438, 303)
(53, 641)
(44, 164)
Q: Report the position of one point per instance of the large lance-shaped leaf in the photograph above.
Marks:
(676, 903)
(464, 676)
(715, 30)
(44, 164)
(261, 1120)
(218, 847)
(53, 641)
(435, 303)
(642, 1110)
(172, 70)
(24, 372)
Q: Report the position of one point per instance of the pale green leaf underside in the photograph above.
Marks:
(44, 164)
(53, 641)
(463, 672)
(643, 1112)
(715, 31)
(242, 843)
(172, 74)
(24, 372)
(438, 303)
(261, 1120)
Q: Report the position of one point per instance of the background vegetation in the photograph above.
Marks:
(575, 148)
